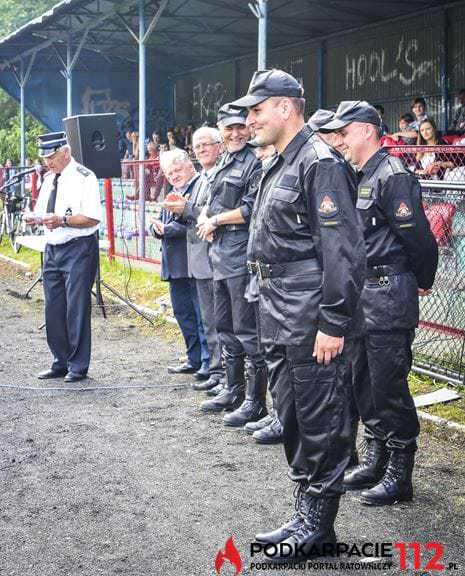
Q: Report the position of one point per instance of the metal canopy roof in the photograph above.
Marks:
(189, 33)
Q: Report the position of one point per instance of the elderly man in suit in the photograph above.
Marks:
(208, 146)
(171, 229)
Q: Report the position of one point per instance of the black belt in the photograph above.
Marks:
(234, 227)
(275, 270)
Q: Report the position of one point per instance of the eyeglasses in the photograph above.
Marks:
(205, 145)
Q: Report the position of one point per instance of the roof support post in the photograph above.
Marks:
(142, 122)
(69, 79)
(260, 10)
(21, 79)
(445, 72)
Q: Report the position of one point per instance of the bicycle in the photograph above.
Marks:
(11, 217)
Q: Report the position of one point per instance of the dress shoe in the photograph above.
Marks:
(252, 427)
(74, 377)
(203, 373)
(217, 389)
(49, 374)
(271, 434)
(206, 384)
(185, 368)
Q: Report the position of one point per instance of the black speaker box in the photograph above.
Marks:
(94, 143)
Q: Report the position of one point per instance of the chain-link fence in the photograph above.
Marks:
(136, 176)
(439, 348)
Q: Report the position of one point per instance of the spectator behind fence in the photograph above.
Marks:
(155, 180)
(458, 123)
(380, 109)
(408, 132)
(431, 165)
(171, 229)
(418, 109)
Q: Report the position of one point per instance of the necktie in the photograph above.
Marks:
(53, 195)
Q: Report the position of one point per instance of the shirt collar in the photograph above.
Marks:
(70, 167)
(369, 168)
(186, 187)
(292, 149)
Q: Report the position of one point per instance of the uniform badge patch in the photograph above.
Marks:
(68, 212)
(328, 207)
(403, 211)
(365, 192)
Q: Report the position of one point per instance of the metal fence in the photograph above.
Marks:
(439, 348)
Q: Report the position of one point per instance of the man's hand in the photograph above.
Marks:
(327, 347)
(202, 217)
(422, 292)
(159, 226)
(206, 229)
(52, 221)
(177, 206)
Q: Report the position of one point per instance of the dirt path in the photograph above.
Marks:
(137, 482)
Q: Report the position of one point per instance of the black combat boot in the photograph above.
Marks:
(252, 427)
(232, 394)
(316, 536)
(354, 461)
(396, 484)
(271, 434)
(217, 389)
(371, 469)
(296, 521)
(254, 406)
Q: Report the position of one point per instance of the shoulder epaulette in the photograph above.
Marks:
(397, 165)
(83, 171)
(322, 150)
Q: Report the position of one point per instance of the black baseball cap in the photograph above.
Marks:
(353, 111)
(320, 118)
(228, 115)
(49, 143)
(268, 83)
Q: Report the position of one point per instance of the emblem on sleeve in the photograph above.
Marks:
(403, 211)
(328, 207)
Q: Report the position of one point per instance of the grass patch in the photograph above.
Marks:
(142, 287)
(454, 411)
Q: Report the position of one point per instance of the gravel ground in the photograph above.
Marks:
(100, 482)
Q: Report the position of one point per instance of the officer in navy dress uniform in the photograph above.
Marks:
(307, 252)
(225, 221)
(69, 205)
(402, 258)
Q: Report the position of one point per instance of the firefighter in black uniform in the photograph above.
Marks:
(225, 222)
(402, 259)
(309, 256)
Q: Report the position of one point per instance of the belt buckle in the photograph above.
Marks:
(384, 281)
(264, 271)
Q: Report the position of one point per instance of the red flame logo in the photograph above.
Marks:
(230, 554)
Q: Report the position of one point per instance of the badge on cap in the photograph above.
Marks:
(328, 206)
(403, 211)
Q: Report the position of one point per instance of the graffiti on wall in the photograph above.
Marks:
(407, 67)
(101, 102)
(207, 99)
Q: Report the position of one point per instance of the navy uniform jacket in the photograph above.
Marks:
(234, 185)
(304, 214)
(173, 243)
(396, 233)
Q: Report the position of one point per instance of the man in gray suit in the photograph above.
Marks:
(207, 144)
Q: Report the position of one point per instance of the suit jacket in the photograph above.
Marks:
(173, 242)
(198, 251)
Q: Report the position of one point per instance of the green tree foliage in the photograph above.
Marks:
(14, 14)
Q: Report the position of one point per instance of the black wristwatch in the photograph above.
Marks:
(64, 221)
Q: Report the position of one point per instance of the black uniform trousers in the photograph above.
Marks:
(312, 401)
(68, 274)
(235, 319)
(381, 364)
(207, 311)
